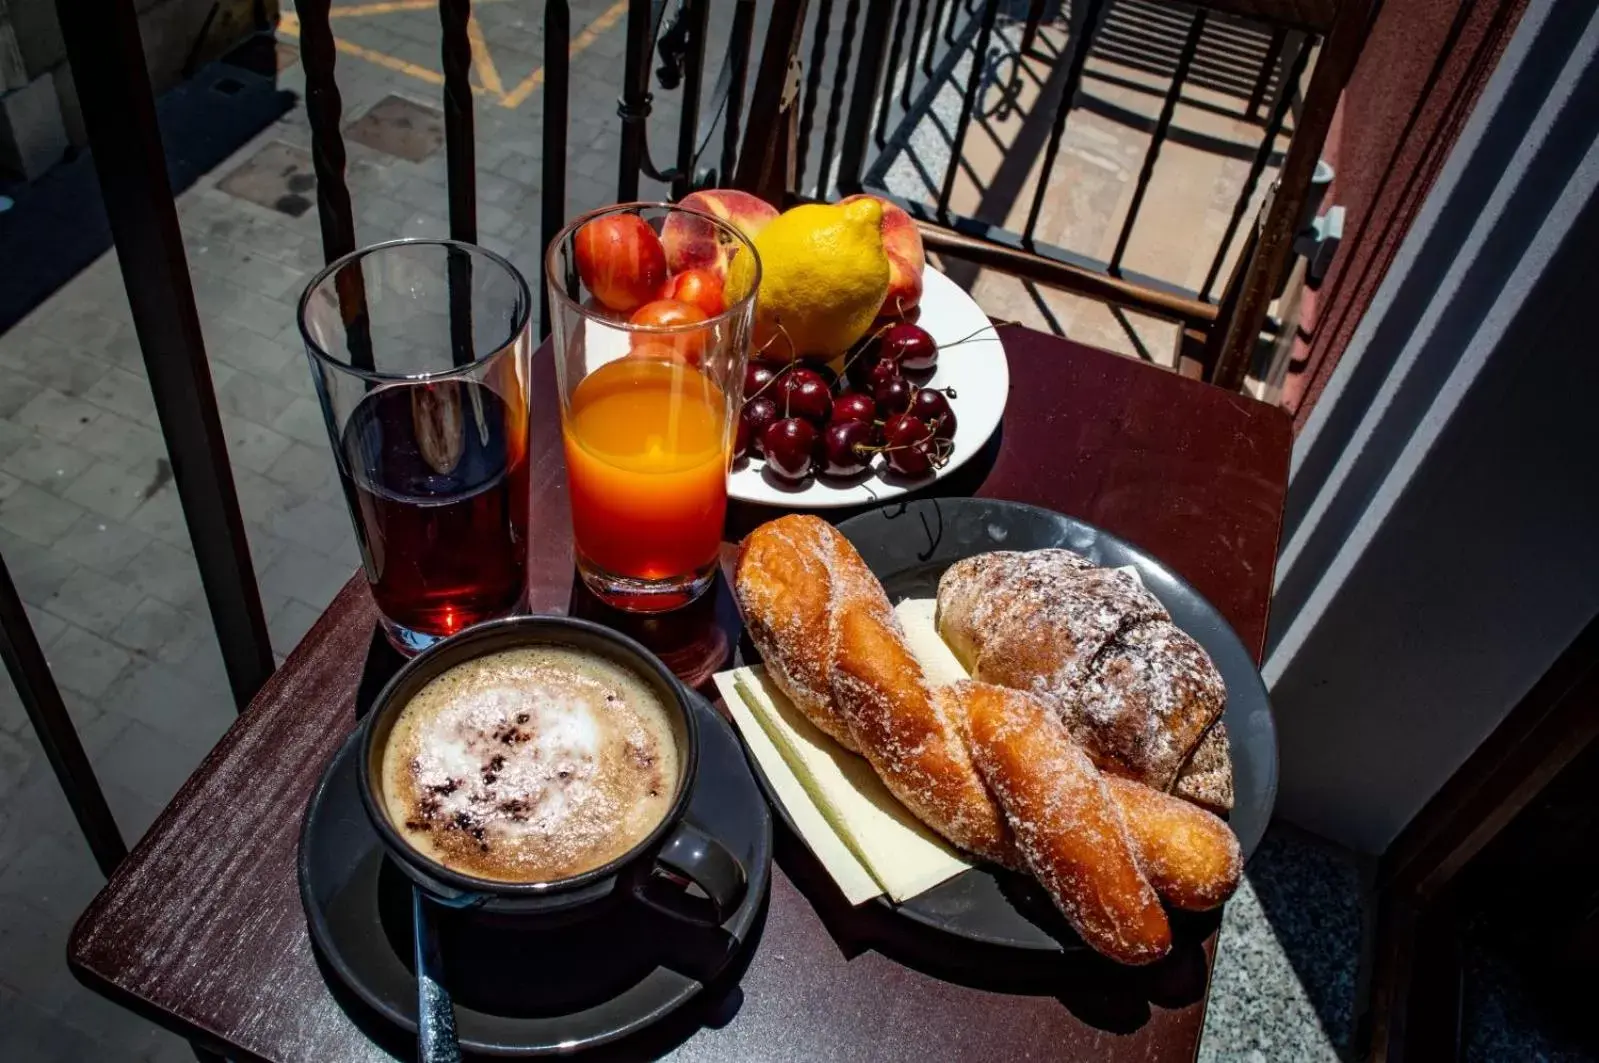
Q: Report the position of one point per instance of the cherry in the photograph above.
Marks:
(933, 407)
(893, 396)
(853, 406)
(858, 370)
(803, 393)
(882, 372)
(757, 375)
(821, 369)
(754, 419)
(789, 444)
(911, 346)
(906, 444)
(844, 448)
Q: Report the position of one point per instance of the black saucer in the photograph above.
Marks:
(519, 991)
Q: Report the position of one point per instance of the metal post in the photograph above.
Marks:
(557, 85)
(1081, 44)
(813, 90)
(932, 38)
(460, 167)
(696, 13)
(887, 98)
(738, 59)
(1168, 108)
(910, 60)
(968, 103)
(836, 99)
(1257, 165)
(868, 72)
(634, 105)
(459, 157)
(107, 58)
(325, 110)
(42, 700)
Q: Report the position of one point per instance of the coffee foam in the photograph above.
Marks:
(530, 765)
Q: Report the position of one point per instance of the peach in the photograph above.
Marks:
(902, 243)
(693, 243)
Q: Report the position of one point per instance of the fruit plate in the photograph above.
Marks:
(975, 368)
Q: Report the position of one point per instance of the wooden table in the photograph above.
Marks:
(201, 928)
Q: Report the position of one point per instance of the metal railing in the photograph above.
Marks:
(899, 56)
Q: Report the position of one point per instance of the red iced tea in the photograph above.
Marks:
(437, 477)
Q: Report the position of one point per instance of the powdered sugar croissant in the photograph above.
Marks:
(1137, 693)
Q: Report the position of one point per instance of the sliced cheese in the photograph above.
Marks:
(918, 616)
(854, 881)
(901, 855)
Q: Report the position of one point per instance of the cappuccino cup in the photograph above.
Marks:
(540, 766)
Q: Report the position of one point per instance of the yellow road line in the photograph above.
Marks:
(289, 23)
(358, 10)
(390, 6)
(590, 34)
(482, 60)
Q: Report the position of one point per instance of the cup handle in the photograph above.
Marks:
(692, 856)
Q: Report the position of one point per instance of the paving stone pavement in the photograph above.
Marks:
(92, 530)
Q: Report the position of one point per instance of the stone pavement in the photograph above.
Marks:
(92, 531)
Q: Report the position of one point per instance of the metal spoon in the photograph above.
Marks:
(435, 1013)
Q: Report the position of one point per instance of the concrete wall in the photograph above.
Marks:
(1442, 541)
(171, 31)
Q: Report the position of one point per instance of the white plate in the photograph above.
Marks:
(975, 368)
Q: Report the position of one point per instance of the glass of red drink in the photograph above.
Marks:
(420, 353)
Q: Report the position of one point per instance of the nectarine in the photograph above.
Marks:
(686, 345)
(621, 260)
(697, 287)
(694, 243)
(902, 243)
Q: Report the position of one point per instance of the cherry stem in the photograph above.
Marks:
(862, 349)
(972, 336)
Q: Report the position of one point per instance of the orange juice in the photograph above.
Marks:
(646, 459)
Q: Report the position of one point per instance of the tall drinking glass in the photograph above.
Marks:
(648, 412)
(420, 353)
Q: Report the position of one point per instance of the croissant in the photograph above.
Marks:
(1137, 693)
(989, 768)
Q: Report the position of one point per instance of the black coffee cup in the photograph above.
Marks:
(656, 871)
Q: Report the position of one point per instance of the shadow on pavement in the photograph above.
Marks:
(58, 224)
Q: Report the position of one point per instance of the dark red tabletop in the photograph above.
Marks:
(201, 927)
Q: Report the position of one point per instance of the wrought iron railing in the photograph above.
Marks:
(896, 56)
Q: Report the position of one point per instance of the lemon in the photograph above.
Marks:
(823, 278)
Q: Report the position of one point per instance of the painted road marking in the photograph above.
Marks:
(590, 34)
(488, 76)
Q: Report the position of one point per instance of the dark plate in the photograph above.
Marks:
(519, 991)
(910, 545)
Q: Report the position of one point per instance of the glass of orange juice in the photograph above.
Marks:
(650, 359)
